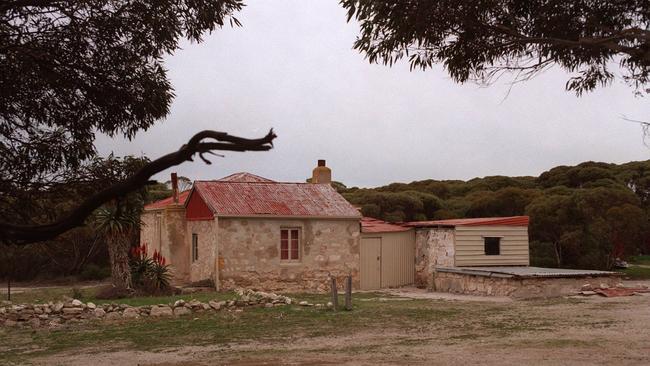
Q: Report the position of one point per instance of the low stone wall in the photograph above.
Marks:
(55, 314)
(521, 288)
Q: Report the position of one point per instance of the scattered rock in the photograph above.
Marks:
(330, 305)
(114, 315)
(130, 313)
(91, 306)
(604, 286)
(76, 302)
(181, 311)
(587, 293)
(99, 312)
(587, 287)
(57, 307)
(71, 311)
(161, 311)
(303, 303)
(179, 303)
(10, 323)
(268, 305)
(216, 305)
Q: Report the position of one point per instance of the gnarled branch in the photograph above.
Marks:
(25, 234)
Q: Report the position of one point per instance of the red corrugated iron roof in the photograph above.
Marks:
(182, 197)
(479, 221)
(371, 225)
(227, 198)
(244, 177)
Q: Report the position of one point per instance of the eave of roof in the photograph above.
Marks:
(372, 225)
(479, 221)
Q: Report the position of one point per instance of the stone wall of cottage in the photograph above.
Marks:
(434, 247)
(249, 254)
(516, 287)
(205, 266)
(165, 231)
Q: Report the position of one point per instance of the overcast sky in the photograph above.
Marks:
(292, 67)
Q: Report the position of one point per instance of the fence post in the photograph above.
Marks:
(335, 294)
(348, 293)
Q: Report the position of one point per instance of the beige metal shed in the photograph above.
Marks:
(387, 255)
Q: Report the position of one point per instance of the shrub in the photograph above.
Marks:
(93, 272)
(76, 293)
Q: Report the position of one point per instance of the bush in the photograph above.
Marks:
(149, 275)
(93, 272)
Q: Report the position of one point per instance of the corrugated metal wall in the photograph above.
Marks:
(387, 259)
(470, 246)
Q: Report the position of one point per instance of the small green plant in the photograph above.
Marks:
(93, 272)
(76, 293)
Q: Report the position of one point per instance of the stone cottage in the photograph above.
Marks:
(246, 230)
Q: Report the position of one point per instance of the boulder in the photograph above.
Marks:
(114, 315)
(71, 311)
(91, 306)
(179, 303)
(57, 307)
(157, 311)
(303, 303)
(181, 311)
(216, 305)
(130, 313)
(195, 303)
(76, 302)
(268, 305)
(99, 312)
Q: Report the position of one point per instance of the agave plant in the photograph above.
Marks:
(141, 264)
(119, 226)
(160, 276)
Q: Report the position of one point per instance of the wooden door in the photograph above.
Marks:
(370, 258)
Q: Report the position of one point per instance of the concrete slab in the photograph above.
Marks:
(526, 272)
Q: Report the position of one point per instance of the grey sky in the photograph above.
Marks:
(292, 67)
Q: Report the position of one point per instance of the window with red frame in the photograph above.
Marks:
(290, 244)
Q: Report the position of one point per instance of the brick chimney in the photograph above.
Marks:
(321, 174)
(175, 188)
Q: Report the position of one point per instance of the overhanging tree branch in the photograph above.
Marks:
(25, 234)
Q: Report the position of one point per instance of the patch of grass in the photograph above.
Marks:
(257, 323)
(640, 259)
(636, 272)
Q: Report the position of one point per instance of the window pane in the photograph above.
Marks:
(294, 234)
(284, 234)
(294, 249)
(284, 249)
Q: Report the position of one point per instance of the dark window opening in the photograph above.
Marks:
(492, 246)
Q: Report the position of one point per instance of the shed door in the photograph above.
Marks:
(370, 263)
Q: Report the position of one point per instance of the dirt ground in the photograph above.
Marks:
(586, 331)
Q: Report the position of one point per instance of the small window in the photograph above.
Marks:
(492, 246)
(290, 244)
(195, 247)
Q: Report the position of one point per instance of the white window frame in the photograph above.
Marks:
(289, 251)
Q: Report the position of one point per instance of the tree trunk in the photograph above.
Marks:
(558, 254)
(118, 252)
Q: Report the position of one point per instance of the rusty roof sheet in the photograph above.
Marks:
(244, 177)
(227, 198)
(479, 221)
(372, 225)
(158, 205)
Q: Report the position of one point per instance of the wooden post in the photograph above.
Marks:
(348, 293)
(335, 294)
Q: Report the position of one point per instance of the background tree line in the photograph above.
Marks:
(581, 216)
